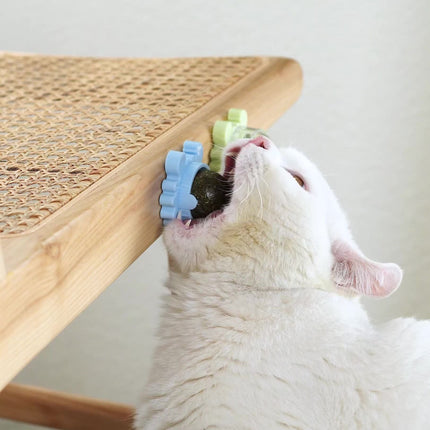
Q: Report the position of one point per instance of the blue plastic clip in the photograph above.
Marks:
(181, 169)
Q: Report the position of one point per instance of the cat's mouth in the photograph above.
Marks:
(229, 176)
(233, 153)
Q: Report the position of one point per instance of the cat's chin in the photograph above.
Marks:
(193, 226)
(191, 223)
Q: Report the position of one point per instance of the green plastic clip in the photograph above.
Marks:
(225, 132)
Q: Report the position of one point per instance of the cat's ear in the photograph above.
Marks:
(354, 272)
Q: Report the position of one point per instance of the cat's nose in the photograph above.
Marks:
(260, 141)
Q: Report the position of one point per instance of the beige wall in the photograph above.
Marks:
(363, 117)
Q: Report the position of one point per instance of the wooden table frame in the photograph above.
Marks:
(50, 276)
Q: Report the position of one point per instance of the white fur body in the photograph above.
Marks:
(302, 359)
(255, 334)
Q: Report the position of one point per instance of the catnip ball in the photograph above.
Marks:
(212, 192)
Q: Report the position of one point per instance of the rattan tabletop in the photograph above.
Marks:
(66, 122)
(82, 149)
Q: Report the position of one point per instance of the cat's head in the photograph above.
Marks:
(282, 229)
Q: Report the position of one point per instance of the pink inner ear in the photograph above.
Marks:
(354, 271)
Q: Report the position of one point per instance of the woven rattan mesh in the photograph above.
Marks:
(66, 122)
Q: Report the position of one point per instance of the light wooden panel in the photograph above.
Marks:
(2, 266)
(55, 270)
(62, 411)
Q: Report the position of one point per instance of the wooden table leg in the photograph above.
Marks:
(62, 411)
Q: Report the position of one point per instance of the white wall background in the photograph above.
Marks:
(363, 117)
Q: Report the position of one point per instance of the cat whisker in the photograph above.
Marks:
(267, 193)
(247, 195)
(260, 211)
(233, 192)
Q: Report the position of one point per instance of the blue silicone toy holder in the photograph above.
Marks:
(181, 169)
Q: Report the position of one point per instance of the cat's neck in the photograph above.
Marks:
(231, 278)
(203, 292)
(222, 285)
(227, 284)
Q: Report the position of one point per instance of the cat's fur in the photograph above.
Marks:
(261, 330)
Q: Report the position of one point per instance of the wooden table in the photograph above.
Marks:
(82, 147)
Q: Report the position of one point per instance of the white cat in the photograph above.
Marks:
(263, 328)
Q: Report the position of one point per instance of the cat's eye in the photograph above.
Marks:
(299, 180)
